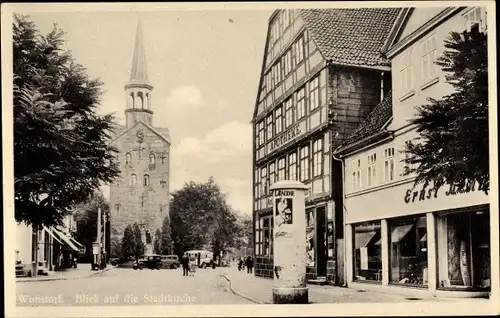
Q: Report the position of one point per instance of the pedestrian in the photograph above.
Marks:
(240, 263)
(185, 265)
(192, 266)
(249, 264)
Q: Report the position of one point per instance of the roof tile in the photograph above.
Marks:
(351, 36)
(373, 123)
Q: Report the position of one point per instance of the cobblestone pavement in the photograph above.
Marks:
(130, 287)
(260, 290)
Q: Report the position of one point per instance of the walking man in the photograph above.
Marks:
(185, 265)
(249, 264)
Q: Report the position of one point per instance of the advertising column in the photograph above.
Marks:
(289, 243)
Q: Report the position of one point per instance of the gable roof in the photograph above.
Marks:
(164, 133)
(351, 36)
(374, 123)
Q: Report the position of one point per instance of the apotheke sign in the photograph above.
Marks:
(289, 135)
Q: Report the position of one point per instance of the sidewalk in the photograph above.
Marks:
(260, 290)
(83, 270)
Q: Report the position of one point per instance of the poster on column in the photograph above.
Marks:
(283, 237)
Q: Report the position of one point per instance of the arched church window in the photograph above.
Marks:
(146, 179)
(140, 99)
(128, 158)
(131, 103)
(133, 180)
(152, 159)
(148, 101)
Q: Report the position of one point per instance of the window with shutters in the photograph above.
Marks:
(406, 73)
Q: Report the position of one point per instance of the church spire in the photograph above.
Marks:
(139, 71)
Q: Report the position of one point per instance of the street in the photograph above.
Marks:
(124, 286)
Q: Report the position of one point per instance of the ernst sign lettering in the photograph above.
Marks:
(432, 193)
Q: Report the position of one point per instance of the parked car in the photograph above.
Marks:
(151, 261)
(170, 261)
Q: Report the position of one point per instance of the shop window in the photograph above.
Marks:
(281, 169)
(367, 252)
(310, 234)
(301, 104)
(464, 242)
(292, 166)
(408, 251)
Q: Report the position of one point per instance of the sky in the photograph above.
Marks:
(205, 68)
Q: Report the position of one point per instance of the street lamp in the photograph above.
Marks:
(104, 241)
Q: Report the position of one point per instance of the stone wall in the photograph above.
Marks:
(140, 203)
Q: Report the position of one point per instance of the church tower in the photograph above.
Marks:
(138, 89)
(140, 195)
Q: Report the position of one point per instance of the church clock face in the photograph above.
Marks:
(140, 136)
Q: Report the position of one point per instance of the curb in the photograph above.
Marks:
(234, 291)
(64, 278)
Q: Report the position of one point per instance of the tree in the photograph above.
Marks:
(453, 144)
(61, 146)
(86, 219)
(139, 245)
(157, 242)
(166, 237)
(200, 216)
(128, 243)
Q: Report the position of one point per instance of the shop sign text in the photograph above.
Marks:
(284, 193)
(430, 193)
(287, 136)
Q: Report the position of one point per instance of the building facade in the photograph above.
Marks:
(401, 238)
(141, 192)
(38, 252)
(319, 79)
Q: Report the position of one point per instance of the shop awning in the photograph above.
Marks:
(51, 233)
(76, 242)
(362, 239)
(67, 240)
(424, 238)
(400, 232)
(379, 242)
